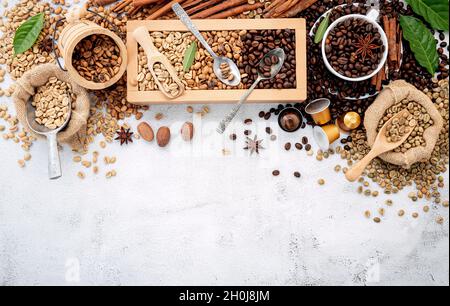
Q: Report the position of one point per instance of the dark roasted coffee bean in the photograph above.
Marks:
(299, 146)
(297, 174)
(305, 140)
(248, 121)
(269, 130)
(276, 173)
(287, 146)
(347, 148)
(267, 116)
(233, 137)
(247, 132)
(261, 114)
(308, 147)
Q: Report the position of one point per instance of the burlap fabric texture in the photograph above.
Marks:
(75, 132)
(392, 94)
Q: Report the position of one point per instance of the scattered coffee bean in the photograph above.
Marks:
(248, 121)
(305, 140)
(276, 173)
(297, 174)
(233, 137)
(299, 146)
(308, 147)
(287, 146)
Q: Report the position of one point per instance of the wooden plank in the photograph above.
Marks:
(298, 94)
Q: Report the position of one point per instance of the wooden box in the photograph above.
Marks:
(219, 96)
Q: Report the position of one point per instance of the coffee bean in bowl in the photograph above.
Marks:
(355, 48)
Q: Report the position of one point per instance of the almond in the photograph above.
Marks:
(146, 131)
(163, 136)
(187, 131)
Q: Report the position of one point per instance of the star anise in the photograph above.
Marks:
(365, 46)
(125, 136)
(253, 145)
(46, 45)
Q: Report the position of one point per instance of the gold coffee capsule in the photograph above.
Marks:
(319, 110)
(326, 135)
(350, 121)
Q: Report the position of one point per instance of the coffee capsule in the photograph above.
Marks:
(349, 121)
(326, 135)
(290, 120)
(319, 110)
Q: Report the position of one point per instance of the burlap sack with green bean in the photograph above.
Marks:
(396, 92)
(75, 132)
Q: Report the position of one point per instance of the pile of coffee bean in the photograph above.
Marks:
(225, 70)
(354, 48)
(417, 118)
(266, 66)
(97, 58)
(399, 127)
(259, 43)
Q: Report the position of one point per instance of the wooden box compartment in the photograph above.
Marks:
(219, 96)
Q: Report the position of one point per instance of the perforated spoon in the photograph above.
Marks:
(218, 60)
(54, 163)
(278, 52)
(380, 146)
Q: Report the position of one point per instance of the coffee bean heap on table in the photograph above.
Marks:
(259, 43)
(322, 83)
(354, 48)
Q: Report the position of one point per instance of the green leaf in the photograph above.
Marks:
(422, 42)
(27, 34)
(189, 57)
(435, 12)
(322, 29)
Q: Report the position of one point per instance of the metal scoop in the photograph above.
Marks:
(261, 77)
(54, 163)
(218, 61)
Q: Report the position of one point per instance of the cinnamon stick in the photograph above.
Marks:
(381, 78)
(137, 3)
(237, 10)
(104, 2)
(201, 6)
(162, 11)
(298, 8)
(280, 9)
(392, 36)
(218, 8)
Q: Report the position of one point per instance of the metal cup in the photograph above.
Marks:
(319, 110)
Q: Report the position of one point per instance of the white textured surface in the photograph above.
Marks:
(186, 215)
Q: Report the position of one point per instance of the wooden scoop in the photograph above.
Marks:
(143, 37)
(380, 146)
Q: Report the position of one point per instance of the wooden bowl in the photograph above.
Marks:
(72, 35)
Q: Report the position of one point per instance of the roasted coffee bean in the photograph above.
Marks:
(297, 174)
(258, 43)
(248, 121)
(261, 114)
(267, 116)
(287, 146)
(276, 173)
(299, 146)
(308, 147)
(305, 140)
(269, 130)
(233, 137)
(247, 132)
(354, 48)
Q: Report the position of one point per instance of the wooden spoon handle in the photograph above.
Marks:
(357, 170)
(142, 36)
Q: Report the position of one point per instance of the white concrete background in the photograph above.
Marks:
(186, 215)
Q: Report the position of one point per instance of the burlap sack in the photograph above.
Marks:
(75, 132)
(392, 94)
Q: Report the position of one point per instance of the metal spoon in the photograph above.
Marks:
(54, 163)
(218, 61)
(261, 77)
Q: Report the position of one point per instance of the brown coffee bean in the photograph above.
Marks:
(297, 174)
(233, 137)
(276, 173)
(305, 140)
(308, 147)
(287, 146)
(247, 132)
(269, 130)
(248, 121)
(299, 146)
